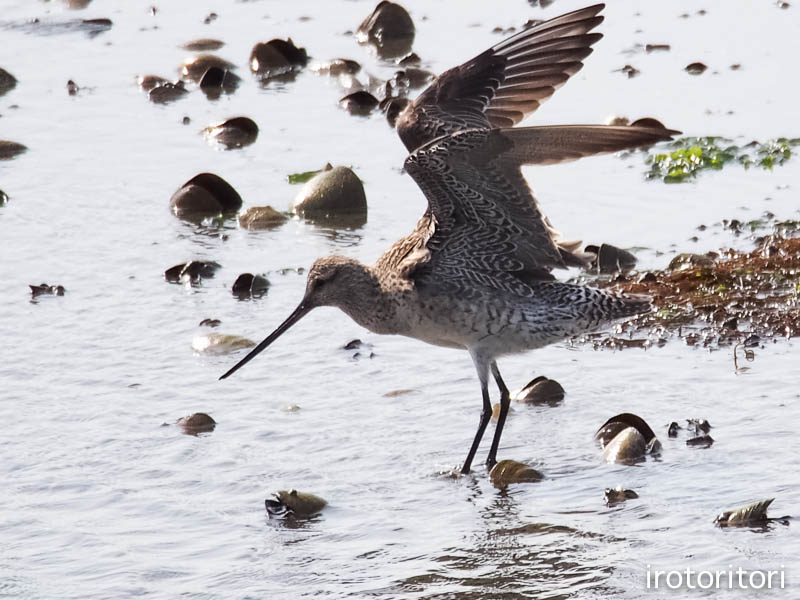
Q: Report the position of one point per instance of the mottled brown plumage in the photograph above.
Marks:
(476, 273)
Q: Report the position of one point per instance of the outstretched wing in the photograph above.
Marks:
(503, 85)
(483, 227)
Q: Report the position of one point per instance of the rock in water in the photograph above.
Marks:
(277, 57)
(540, 390)
(618, 495)
(205, 195)
(261, 217)
(248, 285)
(331, 193)
(220, 343)
(195, 67)
(197, 423)
(507, 472)
(627, 438)
(752, 514)
(294, 503)
(389, 29)
(232, 133)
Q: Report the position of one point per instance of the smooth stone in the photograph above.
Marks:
(618, 423)
(9, 150)
(195, 67)
(389, 29)
(752, 514)
(277, 57)
(217, 80)
(7, 82)
(167, 92)
(203, 45)
(148, 82)
(392, 107)
(618, 495)
(219, 343)
(261, 217)
(44, 289)
(248, 285)
(336, 67)
(360, 103)
(610, 259)
(3, 198)
(191, 272)
(232, 133)
(205, 195)
(627, 445)
(507, 472)
(299, 504)
(197, 423)
(540, 390)
(331, 193)
(695, 68)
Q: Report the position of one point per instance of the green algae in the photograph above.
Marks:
(692, 155)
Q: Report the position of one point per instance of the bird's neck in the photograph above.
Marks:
(370, 301)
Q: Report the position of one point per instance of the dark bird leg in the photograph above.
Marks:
(505, 402)
(486, 413)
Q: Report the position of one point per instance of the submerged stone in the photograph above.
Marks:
(294, 503)
(261, 217)
(203, 45)
(7, 82)
(44, 289)
(331, 193)
(695, 68)
(194, 67)
(217, 80)
(167, 92)
(359, 103)
(626, 438)
(9, 150)
(337, 66)
(219, 343)
(389, 29)
(277, 57)
(609, 259)
(191, 272)
(232, 133)
(205, 195)
(507, 472)
(752, 514)
(618, 495)
(3, 198)
(148, 82)
(540, 390)
(248, 285)
(701, 441)
(197, 423)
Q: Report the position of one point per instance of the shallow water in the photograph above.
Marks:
(100, 501)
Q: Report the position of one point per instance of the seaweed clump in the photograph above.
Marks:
(695, 154)
(717, 299)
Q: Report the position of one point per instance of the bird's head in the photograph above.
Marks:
(332, 281)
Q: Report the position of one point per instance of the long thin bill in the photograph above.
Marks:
(293, 318)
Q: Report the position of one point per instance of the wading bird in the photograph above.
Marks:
(475, 273)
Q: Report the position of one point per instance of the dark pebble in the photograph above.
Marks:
(541, 390)
(9, 150)
(191, 272)
(389, 29)
(205, 195)
(277, 57)
(217, 80)
(203, 45)
(195, 67)
(248, 285)
(672, 431)
(359, 103)
(610, 259)
(148, 82)
(44, 289)
(72, 88)
(695, 68)
(629, 70)
(703, 441)
(210, 323)
(261, 217)
(167, 92)
(197, 423)
(7, 82)
(233, 133)
(3, 198)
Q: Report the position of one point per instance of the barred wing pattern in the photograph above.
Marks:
(483, 227)
(504, 84)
